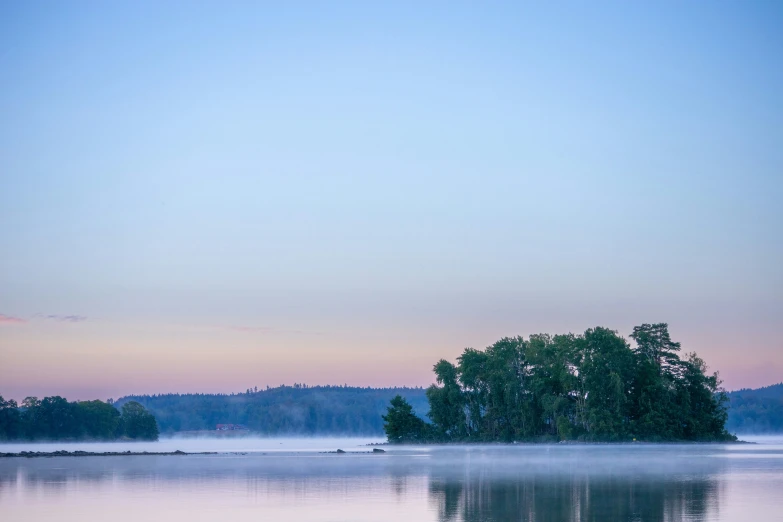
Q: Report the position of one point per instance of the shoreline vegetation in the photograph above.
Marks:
(56, 419)
(592, 387)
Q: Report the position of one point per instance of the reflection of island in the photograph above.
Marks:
(583, 498)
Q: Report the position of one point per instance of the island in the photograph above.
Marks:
(592, 387)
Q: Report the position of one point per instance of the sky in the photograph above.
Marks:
(206, 197)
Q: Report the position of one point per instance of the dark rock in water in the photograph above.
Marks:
(378, 450)
(339, 451)
(80, 453)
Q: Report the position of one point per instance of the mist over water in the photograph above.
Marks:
(293, 479)
(205, 444)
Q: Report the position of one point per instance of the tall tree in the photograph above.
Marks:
(475, 389)
(705, 416)
(447, 404)
(552, 382)
(98, 419)
(137, 423)
(10, 425)
(401, 424)
(608, 370)
(654, 344)
(657, 406)
(512, 410)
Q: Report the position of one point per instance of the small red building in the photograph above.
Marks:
(230, 427)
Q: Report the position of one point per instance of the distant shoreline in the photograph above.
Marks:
(564, 443)
(63, 453)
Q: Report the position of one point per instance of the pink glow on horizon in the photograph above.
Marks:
(101, 359)
(250, 328)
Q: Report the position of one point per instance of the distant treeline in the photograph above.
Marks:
(297, 409)
(756, 411)
(54, 418)
(593, 387)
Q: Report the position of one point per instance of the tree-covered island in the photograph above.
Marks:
(589, 387)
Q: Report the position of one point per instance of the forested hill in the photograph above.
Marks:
(298, 409)
(756, 411)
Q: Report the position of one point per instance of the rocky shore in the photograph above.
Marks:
(62, 453)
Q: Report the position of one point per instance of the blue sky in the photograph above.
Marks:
(265, 193)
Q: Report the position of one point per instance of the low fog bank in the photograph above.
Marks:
(307, 459)
(771, 438)
(203, 444)
(297, 444)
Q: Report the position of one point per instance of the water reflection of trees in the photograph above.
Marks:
(481, 486)
(572, 498)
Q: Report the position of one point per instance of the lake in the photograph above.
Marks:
(294, 480)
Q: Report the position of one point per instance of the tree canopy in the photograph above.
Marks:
(137, 423)
(54, 418)
(593, 386)
(402, 425)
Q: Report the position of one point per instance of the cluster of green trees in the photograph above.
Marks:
(54, 418)
(593, 386)
(757, 411)
(284, 410)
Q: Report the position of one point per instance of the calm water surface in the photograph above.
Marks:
(291, 479)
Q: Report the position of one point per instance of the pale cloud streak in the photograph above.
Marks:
(66, 318)
(61, 318)
(7, 319)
